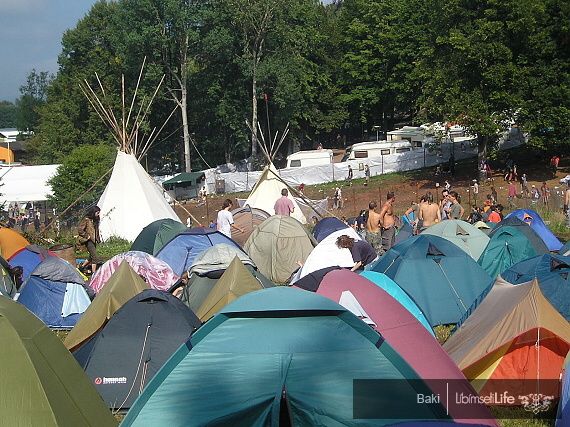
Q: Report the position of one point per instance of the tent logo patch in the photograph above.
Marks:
(110, 380)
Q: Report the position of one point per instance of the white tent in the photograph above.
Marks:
(25, 183)
(131, 200)
(266, 192)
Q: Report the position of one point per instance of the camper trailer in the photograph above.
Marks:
(302, 159)
(415, 135)
(364, 150)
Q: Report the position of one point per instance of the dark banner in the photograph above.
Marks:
(441, 399)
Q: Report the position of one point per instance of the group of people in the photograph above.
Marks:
(23, 216)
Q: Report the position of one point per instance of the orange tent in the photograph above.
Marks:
(11, 242)
(515, 334)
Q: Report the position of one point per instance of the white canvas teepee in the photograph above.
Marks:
(131, 200)
(266, 192)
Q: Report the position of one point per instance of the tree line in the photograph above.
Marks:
(237, 70)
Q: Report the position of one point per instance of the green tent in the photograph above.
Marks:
(157, 234)
(278, 244)
(282, 352)
(42, 384)
(235, 282)
(508, 245)
(123, 284)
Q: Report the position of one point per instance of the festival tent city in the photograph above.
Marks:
(276, 325)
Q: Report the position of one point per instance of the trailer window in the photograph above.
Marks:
(402, 150)
(385, 151)
(360, 154)
(295, 163)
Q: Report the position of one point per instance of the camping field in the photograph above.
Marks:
(408, 187)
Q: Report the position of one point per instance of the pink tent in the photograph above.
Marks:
(406, 335)
(157, 273)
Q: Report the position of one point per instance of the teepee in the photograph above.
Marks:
(267, 190)
(131, 200)
(268, 187)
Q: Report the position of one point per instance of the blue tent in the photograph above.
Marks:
(55, 293)
(533, 219)
(552, 272)
(29, 258)
(398, 294)
(327, 226)
(283, 352)
(181, 250)
(442, 279)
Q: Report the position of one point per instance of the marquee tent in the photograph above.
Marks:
(24, 184)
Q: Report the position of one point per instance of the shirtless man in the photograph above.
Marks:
(388, 222)
(429, 212)
(373, 233)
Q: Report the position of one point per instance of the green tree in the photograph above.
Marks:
(33, 97)
(7, 114)
(85, 167)
(67, 120)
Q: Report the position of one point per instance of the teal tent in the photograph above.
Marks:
(461, 233)
(281, 352)
(508, 245)
(442, 279)
(157, 234)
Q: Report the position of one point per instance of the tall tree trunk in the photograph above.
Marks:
(254, 119)
(186, 132)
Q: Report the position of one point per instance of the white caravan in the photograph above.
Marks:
(364, 150)
(302, 159)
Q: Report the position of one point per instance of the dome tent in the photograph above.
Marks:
(149, 327)
(442, 279)
(282, 347)
(42, 384)
(278, 244)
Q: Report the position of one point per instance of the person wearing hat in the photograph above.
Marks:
(475, 187)
(534, 194)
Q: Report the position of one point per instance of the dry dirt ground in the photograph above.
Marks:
(409, 186)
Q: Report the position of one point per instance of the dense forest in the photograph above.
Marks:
(236, 69)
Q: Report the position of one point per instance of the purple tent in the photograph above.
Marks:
(403, 332)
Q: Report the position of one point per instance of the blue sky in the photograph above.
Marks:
(31, 38)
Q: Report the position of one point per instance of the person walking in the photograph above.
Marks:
(89, 237)
(350, 175)
(545, 193)
(284, 205)
(475, 187)
(225, 221)
(366, 175)
(512, 195)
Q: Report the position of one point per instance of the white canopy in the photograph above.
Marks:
(25, 183)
